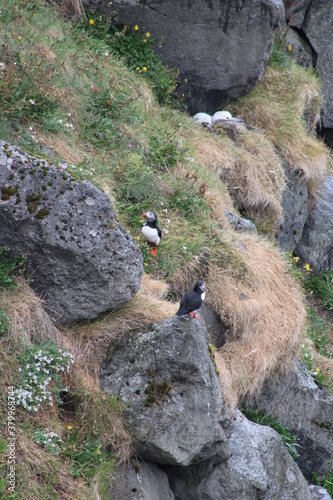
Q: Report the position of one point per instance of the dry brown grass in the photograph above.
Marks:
(256, 177)
(72, 6)
(252, 171)
(67, 151)
(28, 320)
(38, 467)
(90, 342)
(257, 297)
(278, 105)
(265, 313)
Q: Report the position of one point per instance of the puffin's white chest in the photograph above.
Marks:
(151, 234)
(203, 295)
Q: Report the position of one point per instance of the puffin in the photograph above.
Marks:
(192, 300)
(151, 231)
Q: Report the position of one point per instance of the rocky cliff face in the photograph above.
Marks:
(311, 21)
(316, 244)
(221, 48)
(189, 446)
(306, 408)
(79, 259)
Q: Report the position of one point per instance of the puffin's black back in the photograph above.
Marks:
(191, 301)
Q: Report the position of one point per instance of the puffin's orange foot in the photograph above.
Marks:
(194, 316)
(153, 252)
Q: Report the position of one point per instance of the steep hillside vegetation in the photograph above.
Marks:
(66, 95)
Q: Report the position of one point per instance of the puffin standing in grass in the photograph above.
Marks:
(151, 231)
(192, 300)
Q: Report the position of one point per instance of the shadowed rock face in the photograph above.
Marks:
(316, 244)
(294, 202)
(312, 20)
(168, 382)
(260, 467)
(139, 480)
(220, 47)
(297, 401)
(79, 259)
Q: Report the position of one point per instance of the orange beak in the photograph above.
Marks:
(143, 215)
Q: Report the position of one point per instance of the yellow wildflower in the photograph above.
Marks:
(307, 267)
(144, 68)
(289, 48)
(136, 27)
(147, 34)
(91, 22)
(296, 259)
(146, 264)
(138, 237)
(144, 41)
(19, 38)
(317, 370)
(98, 452)
(69, 427)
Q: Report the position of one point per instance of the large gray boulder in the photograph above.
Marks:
(260, 468)
(138, 480)
(313, 19)
(220, 47)
(80, 260)
(307, 409)
(169, 385)
(316, 244)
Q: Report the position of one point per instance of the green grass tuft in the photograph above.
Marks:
(11, 266)
(322, 286)
(263, 418)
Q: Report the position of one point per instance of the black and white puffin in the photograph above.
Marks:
(151, 231)
(192, 300)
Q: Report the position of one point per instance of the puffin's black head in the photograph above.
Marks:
(200, 285)
(150, 216)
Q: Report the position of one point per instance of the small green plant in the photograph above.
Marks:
(10, 266)
(263, 418)
(25, 91)
(318, 331)
(326, 482)
(322, 286)
(85, 455)
(164, 151)
(42, 370)
(4, 323)
(3, 450)
(136, 50)
(187, 199)
(49, 440)
(308, 360)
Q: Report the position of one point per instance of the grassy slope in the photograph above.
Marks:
(64, 96)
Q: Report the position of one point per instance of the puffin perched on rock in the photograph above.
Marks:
(192, 300)
(151, 231)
